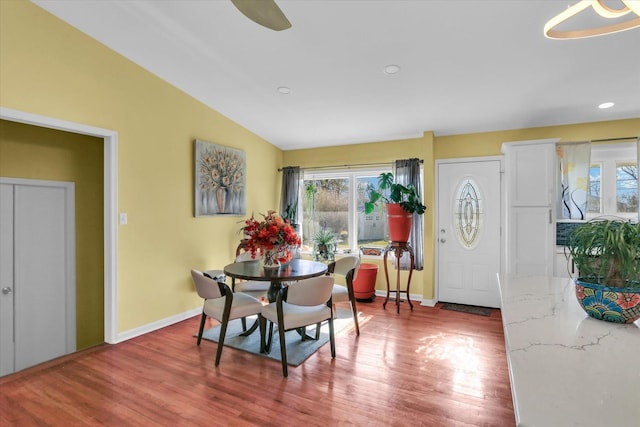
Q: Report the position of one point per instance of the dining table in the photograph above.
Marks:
(294, 270)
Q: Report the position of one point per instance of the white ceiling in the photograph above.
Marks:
(466, 65)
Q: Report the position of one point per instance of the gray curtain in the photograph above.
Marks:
(407, 172)
(290, 190)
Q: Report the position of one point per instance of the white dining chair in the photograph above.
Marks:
(303, 303)
(223, 305)
(347, 269)
(255, 288)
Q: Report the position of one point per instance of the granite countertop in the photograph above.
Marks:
(567, 369)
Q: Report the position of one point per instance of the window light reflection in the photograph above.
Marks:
(461, 354)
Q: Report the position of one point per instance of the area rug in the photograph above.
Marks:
(471, 309)
(297, 350)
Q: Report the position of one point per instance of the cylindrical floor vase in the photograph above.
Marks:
(399, 222)
(364, 285)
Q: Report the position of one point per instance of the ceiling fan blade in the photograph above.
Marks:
(263, 12)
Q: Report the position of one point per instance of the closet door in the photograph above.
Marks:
(43, 273)
(6, 279)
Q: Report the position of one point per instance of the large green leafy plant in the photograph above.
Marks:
(390, 191)
(606, 251)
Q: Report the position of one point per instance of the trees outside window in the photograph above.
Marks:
(334, 201)
(613, 181)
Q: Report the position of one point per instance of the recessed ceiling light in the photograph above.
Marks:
(284, 90)
(391, 69)
(606, 105)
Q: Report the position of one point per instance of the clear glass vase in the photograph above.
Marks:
(270, 259)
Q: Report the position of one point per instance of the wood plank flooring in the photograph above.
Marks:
(426, 367)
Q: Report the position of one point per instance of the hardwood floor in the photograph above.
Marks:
(429, 367)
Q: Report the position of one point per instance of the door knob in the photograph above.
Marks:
(6, 290)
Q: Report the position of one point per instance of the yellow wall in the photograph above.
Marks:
(490, 143)
(49, 68)
(38, 153)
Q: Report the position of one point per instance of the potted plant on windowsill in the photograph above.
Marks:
(401, 201)
(606, 252)
(324, 245)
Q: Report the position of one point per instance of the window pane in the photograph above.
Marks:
(594, 196)
(627, 187)
(326, 208)
(372, 228)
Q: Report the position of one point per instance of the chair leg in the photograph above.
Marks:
(355, 316)
(332, 338)
(283, 350)
(223, 332)
(263, 329)
(268, 338)
(202, 320)
(244, 324)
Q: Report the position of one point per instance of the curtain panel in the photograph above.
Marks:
(406, 172)
(574, 160)
(290, 192)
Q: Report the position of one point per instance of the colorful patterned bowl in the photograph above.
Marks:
(619, 305)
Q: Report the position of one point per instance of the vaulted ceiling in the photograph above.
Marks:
(464, 65)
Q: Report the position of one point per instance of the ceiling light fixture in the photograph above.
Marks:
(628, 7)
(606, 105)
(284, 90)
(391, 70)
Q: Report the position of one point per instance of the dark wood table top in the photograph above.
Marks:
(297, 269)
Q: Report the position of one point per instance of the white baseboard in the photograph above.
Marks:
(414, 298)
(150, 327)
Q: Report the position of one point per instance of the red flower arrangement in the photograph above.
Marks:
(273, 233)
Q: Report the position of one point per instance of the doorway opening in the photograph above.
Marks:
(110, 139)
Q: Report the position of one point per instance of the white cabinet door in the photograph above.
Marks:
(530, 178)
(531, 172)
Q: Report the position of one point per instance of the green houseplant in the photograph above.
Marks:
(392, 192)
(324, 242)
(606, 251)
(401, 202)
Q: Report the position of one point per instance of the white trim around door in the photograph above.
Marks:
(110, 204)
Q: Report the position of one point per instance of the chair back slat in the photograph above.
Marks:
(309, 292)
(346, 264)
(207, 288)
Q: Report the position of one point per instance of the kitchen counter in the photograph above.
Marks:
(567, 369)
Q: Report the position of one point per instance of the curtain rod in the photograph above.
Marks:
(615, 139)
(348, 166)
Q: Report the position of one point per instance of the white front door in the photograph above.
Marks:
(468, 232)
(37, 272)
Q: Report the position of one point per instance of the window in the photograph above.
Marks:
(334, 201)
(627, 187)
(613, 181)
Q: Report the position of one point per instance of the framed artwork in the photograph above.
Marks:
(220, 174)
